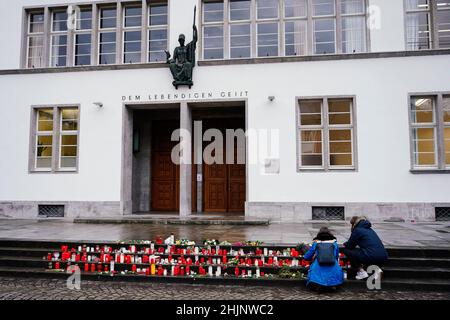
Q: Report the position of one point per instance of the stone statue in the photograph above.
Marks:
(183, 62)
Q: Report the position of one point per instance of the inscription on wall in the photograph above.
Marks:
(184, 96)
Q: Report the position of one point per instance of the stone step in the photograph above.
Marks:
(417, 273)
(174, 221)
(418, 262)
(418, 252)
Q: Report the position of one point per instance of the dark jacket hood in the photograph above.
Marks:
(364, 224)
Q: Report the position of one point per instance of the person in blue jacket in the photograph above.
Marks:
(364, 248)
(324, 275)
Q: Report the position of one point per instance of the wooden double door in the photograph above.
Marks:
(223, 184)
(165, 174)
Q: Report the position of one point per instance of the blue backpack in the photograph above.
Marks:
(325, 254)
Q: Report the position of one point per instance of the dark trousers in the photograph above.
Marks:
(358, 258)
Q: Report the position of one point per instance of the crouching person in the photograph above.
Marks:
(324, 271)
(364, 248)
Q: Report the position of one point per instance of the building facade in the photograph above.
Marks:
(344, 105)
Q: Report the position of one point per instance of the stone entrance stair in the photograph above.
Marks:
(408, 268)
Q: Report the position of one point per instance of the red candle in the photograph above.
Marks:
(92, 267)
(99, 267)
(188, 270)
(220, 252)
(188, 251)
(243, 272)
(213, 251)
(49, 257)
(270, 261)
(106, 268)
(133, 268)
(224, 251)
(224, 259)
(210, 260)
(236, 271)
(57, 265)
(262, 274)
(160, 271)
(147, 271)
(260, 263)
(202, 260)
(182, 271)
(77, 257)
(145, 259)
(86, 267)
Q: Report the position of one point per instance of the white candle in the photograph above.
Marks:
(111, 266)
(172, 270)
(165, 272)
(79, 248)
(258, 274)
(265, 251)
(152, 246)
(218, 271)
(249, 273)
(122, 258)
(210, 271)
(256, 262)
(89, 258)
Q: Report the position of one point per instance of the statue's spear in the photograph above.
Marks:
(195, 14)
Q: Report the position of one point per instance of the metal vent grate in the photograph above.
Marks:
(328, 213)
(48, 210)
(442, 213)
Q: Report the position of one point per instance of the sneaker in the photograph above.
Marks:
(361, 274)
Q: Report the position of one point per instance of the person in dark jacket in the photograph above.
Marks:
(324, 276)
(364, 248)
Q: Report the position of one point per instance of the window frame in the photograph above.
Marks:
(28, 35)
(77, 32)
(326, 127)
(125, 29)
(281, 20)
(56, 134)
(101, 30)
(55, 34)
(439, 125)
(433, 25)
(149, 28)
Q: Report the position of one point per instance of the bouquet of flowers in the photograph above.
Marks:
(225, 243)
(303, 248)
(255, 243)
(185, 242)
(210, 242)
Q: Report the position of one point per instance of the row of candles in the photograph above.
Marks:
(172, 249)
(157, 265)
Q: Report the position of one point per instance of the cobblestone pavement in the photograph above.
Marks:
(52, 289)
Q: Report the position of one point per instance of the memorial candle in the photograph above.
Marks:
(92, 267)
(153, 269)
(236, 272)
(86, 267)
(188, 270)
(111, 265)
(49, 256)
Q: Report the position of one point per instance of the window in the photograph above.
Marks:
(324, 25)
(132, 35)
(295, 27)
(430, 131)
(326, 133)
(107, 35)
(427, 24)
(213, 30)
(35, 40)
(58, 51)
(44, 139)
(240, 28)
(83, 37)
(55, 139)
(443, 23)
(157, 34)
(353, 26)
(270, 28)
(267, 27)
(68, 138)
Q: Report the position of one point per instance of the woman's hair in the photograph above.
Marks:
(324, 230)
(324, 234)
(355, 220)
